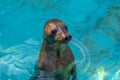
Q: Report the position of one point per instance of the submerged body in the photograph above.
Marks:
(56, 61)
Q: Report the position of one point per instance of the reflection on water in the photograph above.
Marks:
(82, 55)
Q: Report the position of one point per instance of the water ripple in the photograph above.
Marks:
(82, 54)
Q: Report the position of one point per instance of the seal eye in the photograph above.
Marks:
(54, 31)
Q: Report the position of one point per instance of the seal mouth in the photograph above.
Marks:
(65, 40)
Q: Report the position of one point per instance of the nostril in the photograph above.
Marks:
(68, 38)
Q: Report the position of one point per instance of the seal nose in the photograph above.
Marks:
(67, 38)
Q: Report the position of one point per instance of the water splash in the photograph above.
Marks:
(82, 54)
(116, 76)
(101, 73)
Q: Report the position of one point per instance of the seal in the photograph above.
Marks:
(56, 61)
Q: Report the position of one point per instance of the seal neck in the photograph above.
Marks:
(51, 46)
(52, 49)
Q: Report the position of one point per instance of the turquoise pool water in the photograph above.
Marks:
(94, 25)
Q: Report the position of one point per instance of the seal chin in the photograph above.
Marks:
(63, 42)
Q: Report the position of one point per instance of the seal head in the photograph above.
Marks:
(56, 31)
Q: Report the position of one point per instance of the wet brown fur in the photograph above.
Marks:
(48, 60)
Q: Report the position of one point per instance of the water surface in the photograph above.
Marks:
(94, 25)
